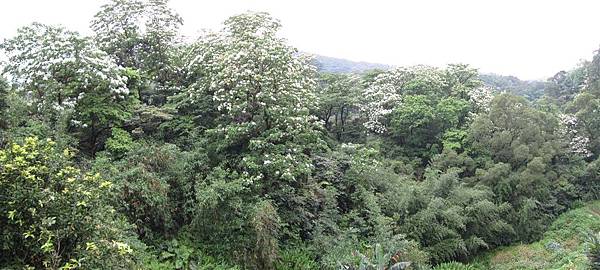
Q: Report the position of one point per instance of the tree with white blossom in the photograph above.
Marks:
(389, 88)
(263, 91)
(481, 98)
(414, 106)
(568, 129)
(385, 93)
(64, 76)
(142, 35)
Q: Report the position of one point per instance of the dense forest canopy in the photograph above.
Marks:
(134, 148)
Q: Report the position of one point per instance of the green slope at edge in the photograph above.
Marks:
(562, 247)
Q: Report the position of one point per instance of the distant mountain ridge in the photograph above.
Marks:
(339, 65)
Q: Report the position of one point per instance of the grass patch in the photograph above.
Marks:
(562, 247)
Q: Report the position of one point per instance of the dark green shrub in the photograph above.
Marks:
(152, 186)
(119, 143)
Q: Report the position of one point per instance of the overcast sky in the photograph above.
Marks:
(532, 39)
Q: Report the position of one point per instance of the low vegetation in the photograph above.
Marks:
(569, 243)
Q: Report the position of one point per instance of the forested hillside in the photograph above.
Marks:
(531, 90)
(133, 148)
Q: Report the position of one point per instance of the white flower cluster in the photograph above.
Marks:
(250, 71)
(381, 99)
(55, 67)
(122, 19)
(568, 129)
(385, 93)
(481, 98)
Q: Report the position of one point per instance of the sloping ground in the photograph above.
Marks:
(563, 245)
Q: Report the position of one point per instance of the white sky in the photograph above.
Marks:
(532, 39)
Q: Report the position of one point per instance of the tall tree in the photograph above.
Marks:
(338, 96)
(68, 82)
(142, 34)
(259, 153)
(413, 107)
(528, 161)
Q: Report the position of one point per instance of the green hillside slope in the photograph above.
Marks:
(563, 246)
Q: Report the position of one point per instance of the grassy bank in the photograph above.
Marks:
(562, 247)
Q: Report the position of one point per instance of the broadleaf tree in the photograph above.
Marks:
(68, 81)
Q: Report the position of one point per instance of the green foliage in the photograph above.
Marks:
(448, 218)
(83, 91)
(532, 166)
(454, 266)
(240, 155)
(54, 215)
(262, 145)
(141, 35)
(180, 255)
(412, 107)
(454, 139)
(419, 123)
(563, 246)
(266, 225)
(119, 143)
(584, 106)
(355, 182)
(380, 260)
(338, 96)
(593, 250)
(565, 85)
(296, 258)
(393, 252)
(531, 90)
(152, 188)
(588, 182)
(3, 103)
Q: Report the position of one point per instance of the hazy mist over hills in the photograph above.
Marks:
(340, 65)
